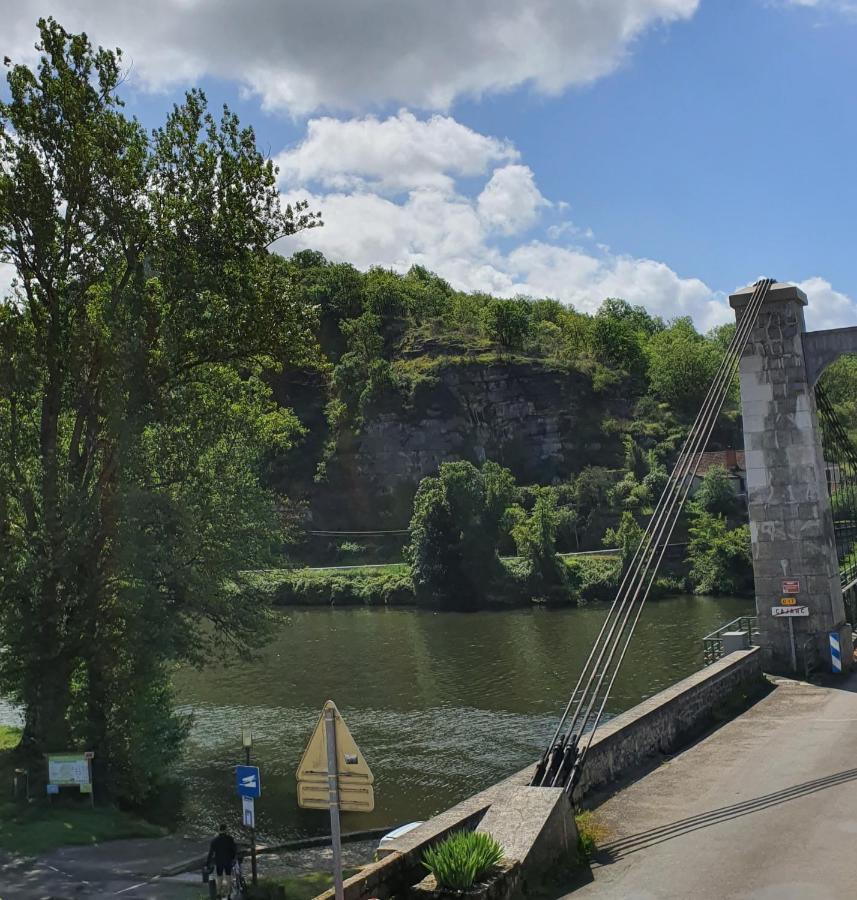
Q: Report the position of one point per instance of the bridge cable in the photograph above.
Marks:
(561, 761)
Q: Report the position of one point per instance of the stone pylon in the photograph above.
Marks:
(791, 524)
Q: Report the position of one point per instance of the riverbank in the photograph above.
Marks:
(587, 579)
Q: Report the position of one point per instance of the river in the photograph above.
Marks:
(441, 704)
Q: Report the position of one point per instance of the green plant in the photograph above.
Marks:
(462, 858)
(590, 832)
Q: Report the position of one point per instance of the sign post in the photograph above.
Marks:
(249, 787)
(333, 775)
(790, 611)
(333, 799)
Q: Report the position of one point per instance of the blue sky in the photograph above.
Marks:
(667, 151)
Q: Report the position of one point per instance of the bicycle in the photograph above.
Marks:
(239, 882)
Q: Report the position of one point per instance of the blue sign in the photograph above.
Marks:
(247, 781)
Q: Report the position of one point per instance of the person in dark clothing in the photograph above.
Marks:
(222, 853)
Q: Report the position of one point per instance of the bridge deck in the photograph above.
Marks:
(763, 808)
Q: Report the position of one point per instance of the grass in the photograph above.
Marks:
(365, 586)
(589, 578)
(295, 887)
(590, 833)
(9, 737)
(31, 829)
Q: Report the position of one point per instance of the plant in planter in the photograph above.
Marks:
(462, 859)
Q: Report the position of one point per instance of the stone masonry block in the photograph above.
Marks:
(756, 478)
(754, 459)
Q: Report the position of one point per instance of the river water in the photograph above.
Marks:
(442, 704)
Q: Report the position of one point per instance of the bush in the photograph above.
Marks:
(715, 494)
(720, 558)
(535, 537)
(372, 586)
(462, 859)
(459, 519)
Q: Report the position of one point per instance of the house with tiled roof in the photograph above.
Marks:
(731, 460)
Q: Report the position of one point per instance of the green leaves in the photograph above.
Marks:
(136, 416)
(462, 859)
(720, 557)
(459, 518)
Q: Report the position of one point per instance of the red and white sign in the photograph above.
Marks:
(791, 586)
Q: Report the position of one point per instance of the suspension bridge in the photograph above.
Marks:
(801, 477)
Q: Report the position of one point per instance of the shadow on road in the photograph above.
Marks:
(618, 849)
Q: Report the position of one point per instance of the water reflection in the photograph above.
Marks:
(442, 704)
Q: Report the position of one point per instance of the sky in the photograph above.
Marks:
(664, 151)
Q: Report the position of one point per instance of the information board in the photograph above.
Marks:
(68, 769)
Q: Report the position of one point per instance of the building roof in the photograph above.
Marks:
(731, 460)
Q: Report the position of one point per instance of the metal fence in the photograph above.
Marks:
(712, 644)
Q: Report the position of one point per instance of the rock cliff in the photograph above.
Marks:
(543, 422)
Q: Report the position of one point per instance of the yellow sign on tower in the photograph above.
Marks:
(353, 776)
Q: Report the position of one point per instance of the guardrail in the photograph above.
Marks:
(712, 644)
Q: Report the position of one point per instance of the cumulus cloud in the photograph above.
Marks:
(398, 153)
(510, 202)
(341, 54)
(826, 307)
(400, 192)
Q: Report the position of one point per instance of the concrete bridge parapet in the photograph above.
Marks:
(791, 524)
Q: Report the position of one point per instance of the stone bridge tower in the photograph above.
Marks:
(791, 523)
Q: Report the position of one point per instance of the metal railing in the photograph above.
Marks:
(712, 644)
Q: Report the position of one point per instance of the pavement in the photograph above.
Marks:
(763, 808)
(127, 868)
(133, 869)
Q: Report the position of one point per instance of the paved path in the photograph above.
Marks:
(115, 868)
(131, 869)
(765, 808)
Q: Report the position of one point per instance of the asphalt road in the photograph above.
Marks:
(116, 868)
(763, 808)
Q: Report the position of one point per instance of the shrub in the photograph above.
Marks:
(715, 494)
(462, 859)
(720, 558)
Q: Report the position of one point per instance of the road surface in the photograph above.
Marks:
(765, 808)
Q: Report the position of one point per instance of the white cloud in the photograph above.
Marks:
(398, 153)
(510, 202)
(847, 7)
(827, 308)
(302, 56)
(489, 239)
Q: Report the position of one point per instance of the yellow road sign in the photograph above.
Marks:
(352, 797)
(788, 601)
(354, 777)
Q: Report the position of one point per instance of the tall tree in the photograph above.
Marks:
(133, 413)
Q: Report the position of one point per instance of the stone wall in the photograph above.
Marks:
(668, 720)
(662, 724)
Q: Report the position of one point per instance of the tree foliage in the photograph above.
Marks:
(459, 518)
(715, 493)
(681, 365)
(134, 416)
(626, 536)
(535, 537)
(720, 557)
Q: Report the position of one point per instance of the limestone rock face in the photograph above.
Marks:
(544, 423)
